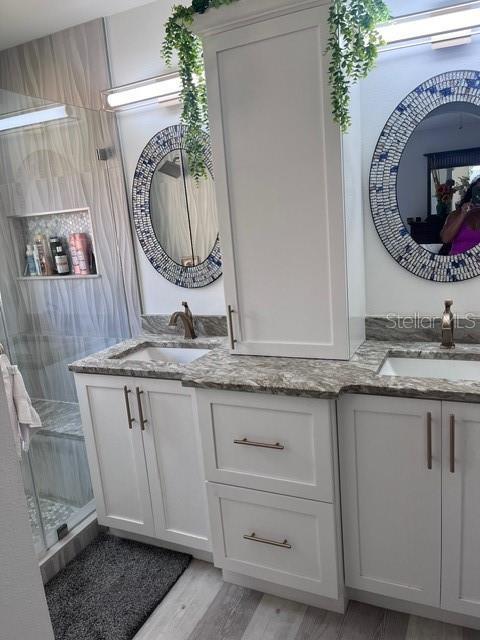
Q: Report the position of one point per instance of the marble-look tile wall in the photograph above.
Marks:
(55, 167)
(204, 325)
(418, 328)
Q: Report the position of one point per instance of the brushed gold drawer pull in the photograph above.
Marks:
(143, 422)
(429, 440)
(452, 444)
(254, 538)
(131, 420)
(263, 445)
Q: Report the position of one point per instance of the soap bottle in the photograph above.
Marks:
(44, 255)
(36, 258)
(59, 257)
(31, 266)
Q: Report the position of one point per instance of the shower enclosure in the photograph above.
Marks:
(58, 178)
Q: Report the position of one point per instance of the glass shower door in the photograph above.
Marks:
(55, 191)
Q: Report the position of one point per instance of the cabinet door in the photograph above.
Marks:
(278, 181)
(115, 453)
(172, 447)
(391, 499)
(461, 508)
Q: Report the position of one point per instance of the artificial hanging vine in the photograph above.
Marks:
(353, 47)
(180, 39)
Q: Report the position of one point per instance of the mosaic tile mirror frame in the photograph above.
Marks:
(454, 86)
(158, 151)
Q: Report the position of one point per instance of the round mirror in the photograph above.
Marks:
(440, 162)
(425, 179)
(183, 211)
(175, 215)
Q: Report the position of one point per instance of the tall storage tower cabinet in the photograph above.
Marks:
(288, 183)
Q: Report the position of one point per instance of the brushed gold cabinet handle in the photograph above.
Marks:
(131, 420)
(230, 327)
(452, 444)
(429, 440)
(263, 445)
(274, 543)
(143, 422)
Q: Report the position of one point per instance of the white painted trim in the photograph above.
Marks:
(413, 608)
(49, 213)
(248, 12)
(288, 593)
(91, 276)
(199, 554)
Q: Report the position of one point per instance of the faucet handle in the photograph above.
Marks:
(187, 310)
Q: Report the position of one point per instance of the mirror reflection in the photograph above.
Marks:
(183, 211)
(438, 186)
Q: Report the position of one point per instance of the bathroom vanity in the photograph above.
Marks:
(142, 446)
(319, 481)
(353, 474)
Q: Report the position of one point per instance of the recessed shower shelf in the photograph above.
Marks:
(60, 224)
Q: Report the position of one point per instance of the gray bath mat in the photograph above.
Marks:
(111, 588)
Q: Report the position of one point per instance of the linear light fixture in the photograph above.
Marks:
(441, 27)
(28, 118)
(163, 89)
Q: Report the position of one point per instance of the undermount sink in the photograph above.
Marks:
(165, 354)
(449, 369)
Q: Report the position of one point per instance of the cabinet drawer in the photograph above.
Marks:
(288, 541)
(271, 443)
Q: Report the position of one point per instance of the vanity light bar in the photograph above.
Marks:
(454, 23)
(163, 89)
(29, 118)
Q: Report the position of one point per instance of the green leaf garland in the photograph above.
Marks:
(353, 47)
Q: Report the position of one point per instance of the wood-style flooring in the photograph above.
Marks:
(202, 607)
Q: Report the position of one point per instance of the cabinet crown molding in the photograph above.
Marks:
(246, 12)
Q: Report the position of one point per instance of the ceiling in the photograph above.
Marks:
(24, 20)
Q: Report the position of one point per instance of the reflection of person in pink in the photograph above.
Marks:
(80, 252)
(462, 227)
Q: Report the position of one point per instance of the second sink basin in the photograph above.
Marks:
(165, 354)
(448, 369)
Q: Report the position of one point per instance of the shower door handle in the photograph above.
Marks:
(131, 420)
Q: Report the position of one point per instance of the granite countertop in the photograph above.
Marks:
(331, 378)
(290, 376)
(110, 361)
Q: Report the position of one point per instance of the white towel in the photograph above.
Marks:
(23, 416)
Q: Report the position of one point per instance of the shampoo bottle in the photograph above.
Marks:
(31, 266)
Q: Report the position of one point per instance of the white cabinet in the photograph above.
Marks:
(270, 466)
(461, 508)
(281, 196)
(115, 453)
(284, 540)
(172, 448)
(391, 499)
(265, 442)
(146, 470)
(410, 476)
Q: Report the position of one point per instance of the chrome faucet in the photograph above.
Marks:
(187, 319)
(448, 326)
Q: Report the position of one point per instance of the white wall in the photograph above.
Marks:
(23, 608)
(134, 42)
(390, 288)
(412, 185)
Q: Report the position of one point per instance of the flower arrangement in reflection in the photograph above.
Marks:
(444, 192)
